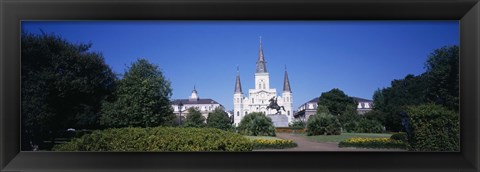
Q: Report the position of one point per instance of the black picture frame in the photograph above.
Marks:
(12, 12)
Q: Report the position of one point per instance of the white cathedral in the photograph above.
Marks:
(258, 98)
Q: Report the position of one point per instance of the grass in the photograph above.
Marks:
(344, 136)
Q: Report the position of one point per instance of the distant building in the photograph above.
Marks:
(310, 108)
(205, 106)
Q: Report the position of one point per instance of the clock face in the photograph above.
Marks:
(262, 95)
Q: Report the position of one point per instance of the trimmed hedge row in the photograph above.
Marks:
(433, 128)
(158, 139)
(290, 130)
(273, 144)
(373, 143)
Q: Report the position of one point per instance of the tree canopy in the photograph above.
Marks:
(219, 119)
(439, 84)
(62, 87)
(336, 101)
(194, 118)
(142, 99)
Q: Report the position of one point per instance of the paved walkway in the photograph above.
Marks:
(306, 145)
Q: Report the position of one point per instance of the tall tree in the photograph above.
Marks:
(336, 101)
(142, 99)
(194, 118)
(219, 119)
(442, 76)
(63, 85)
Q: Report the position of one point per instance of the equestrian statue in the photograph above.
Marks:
(273, 105)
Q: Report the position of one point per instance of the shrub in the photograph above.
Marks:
(433, 128)
(350, 126)
(289, 130)
(219, 119)
(298, 124)
(369, 126)
(194, 118)
(158, 139)
(399, 136)
(373, 143)
(273, 144)
(256, 124)
(323, 124)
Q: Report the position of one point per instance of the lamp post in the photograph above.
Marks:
(180, 111)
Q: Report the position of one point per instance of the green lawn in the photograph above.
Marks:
(344, 136)
(262, 137)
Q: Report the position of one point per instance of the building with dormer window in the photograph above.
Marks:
(205, 106)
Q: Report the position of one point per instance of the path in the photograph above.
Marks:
(307, 145)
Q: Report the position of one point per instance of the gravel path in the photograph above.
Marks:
(306, 145)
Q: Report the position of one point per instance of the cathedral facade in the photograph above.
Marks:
(258, 98)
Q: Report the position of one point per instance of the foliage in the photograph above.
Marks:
(256, 124)
(63, 85)
(158, 139)
(298, 124)
(439, 85)
(350, 115)
(219, 119)
(290, 130)
(345, 136)
(369, 126)
(375, 115)
(194, 118)
(373, 143)
(399, 136)
(141, 100)
(433, 128)
(323, 124)
(336, 101)
(442, 76)
(273, 144)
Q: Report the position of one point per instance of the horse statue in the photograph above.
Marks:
(273, 105)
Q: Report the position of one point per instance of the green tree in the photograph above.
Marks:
(63, 85)
(142, 99)
(256, 124)
(442, 76)
(393, 100)
(219, 119)
(194, 118)
(336, 101)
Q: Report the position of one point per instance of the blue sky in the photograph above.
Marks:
(357, 57)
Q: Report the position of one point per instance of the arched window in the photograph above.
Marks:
(288, 112)
(238, 113)
(245, 112)
(253, 101)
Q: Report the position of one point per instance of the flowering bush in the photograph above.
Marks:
(270, 143)
(373, 143)
(158, 139)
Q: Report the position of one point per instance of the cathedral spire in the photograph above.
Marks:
(261, 66)
(286, 82)
(238, 85)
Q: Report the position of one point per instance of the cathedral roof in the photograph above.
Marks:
(286, 83)
(238, 84)
(261, 66)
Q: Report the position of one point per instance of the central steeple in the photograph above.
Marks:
(261, 64)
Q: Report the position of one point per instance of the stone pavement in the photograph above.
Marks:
(306, 145)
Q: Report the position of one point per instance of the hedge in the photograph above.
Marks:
(158, 139)
(323, 124)
(290, 130)
(273, 144)
(433, 128)
(256, 124)
(373, 143)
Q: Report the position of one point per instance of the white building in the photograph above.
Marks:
(204, 105)
(258, 98)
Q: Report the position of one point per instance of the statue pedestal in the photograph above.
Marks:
(279, 120)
